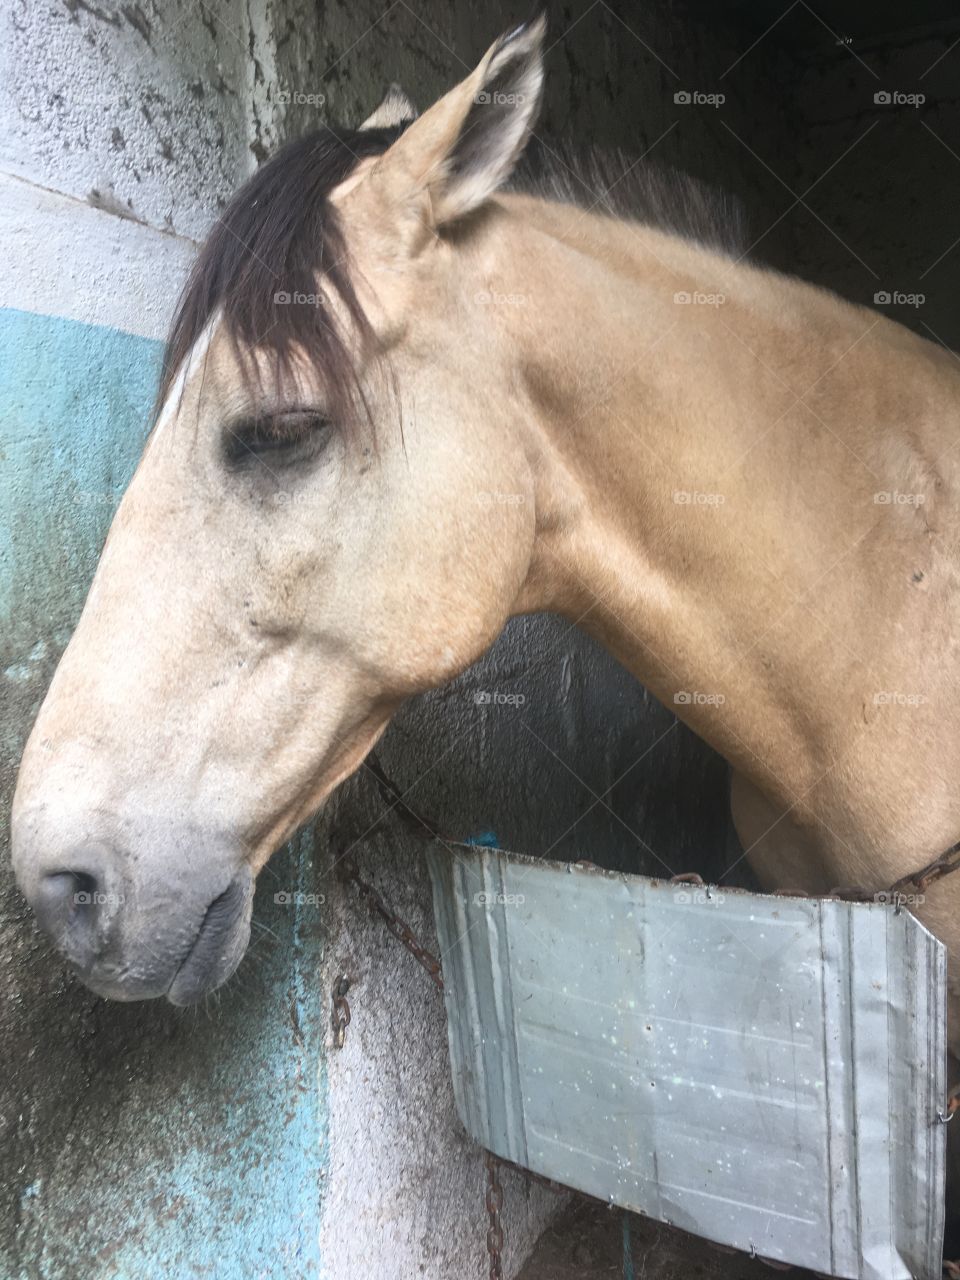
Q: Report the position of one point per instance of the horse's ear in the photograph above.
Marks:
(396, 109)
(461, 150)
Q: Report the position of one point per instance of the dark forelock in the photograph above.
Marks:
(277, 243)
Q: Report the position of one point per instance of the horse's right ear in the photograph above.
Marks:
(466, 145)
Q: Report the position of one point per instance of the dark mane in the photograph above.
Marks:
(279, 239)
(611, 182)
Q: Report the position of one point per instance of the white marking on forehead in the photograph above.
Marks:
(191, 363)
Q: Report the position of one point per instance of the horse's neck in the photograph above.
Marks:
(713, 445)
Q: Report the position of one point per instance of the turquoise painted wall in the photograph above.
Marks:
(137, 1141)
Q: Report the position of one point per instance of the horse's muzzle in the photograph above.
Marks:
(218, 947)
(178, 929)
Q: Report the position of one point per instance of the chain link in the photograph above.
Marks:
(413, 820)
(494, 1203)
(936, 870)
(341, 1010)
(397, 926)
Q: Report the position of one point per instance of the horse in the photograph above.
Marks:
(745, 487)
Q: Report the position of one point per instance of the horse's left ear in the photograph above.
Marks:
(461, 150)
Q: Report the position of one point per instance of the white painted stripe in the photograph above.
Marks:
(64, 258)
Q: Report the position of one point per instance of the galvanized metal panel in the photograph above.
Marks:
(762, 1071)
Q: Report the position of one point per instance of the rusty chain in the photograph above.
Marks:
(415, 822)
(397, 926)
(494, 1203)
(424, 830)
(936, 870)
(341, 1010)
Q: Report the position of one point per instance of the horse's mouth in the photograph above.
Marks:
(218, 947)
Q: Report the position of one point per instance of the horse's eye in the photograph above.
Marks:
(283, 436)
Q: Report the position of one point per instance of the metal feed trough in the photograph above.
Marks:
(763, 1071)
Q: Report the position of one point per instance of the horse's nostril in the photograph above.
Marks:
(68, 905)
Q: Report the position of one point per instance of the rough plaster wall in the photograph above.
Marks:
(891, 202)
(134, 1140)
(63, 245)
(136, 107)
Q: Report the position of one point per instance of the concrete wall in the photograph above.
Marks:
(887, 218)
(133, 1140)
(234, 1140)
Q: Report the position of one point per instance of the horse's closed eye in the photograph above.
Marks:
(282, 436)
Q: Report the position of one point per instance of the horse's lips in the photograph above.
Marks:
(217, 949)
